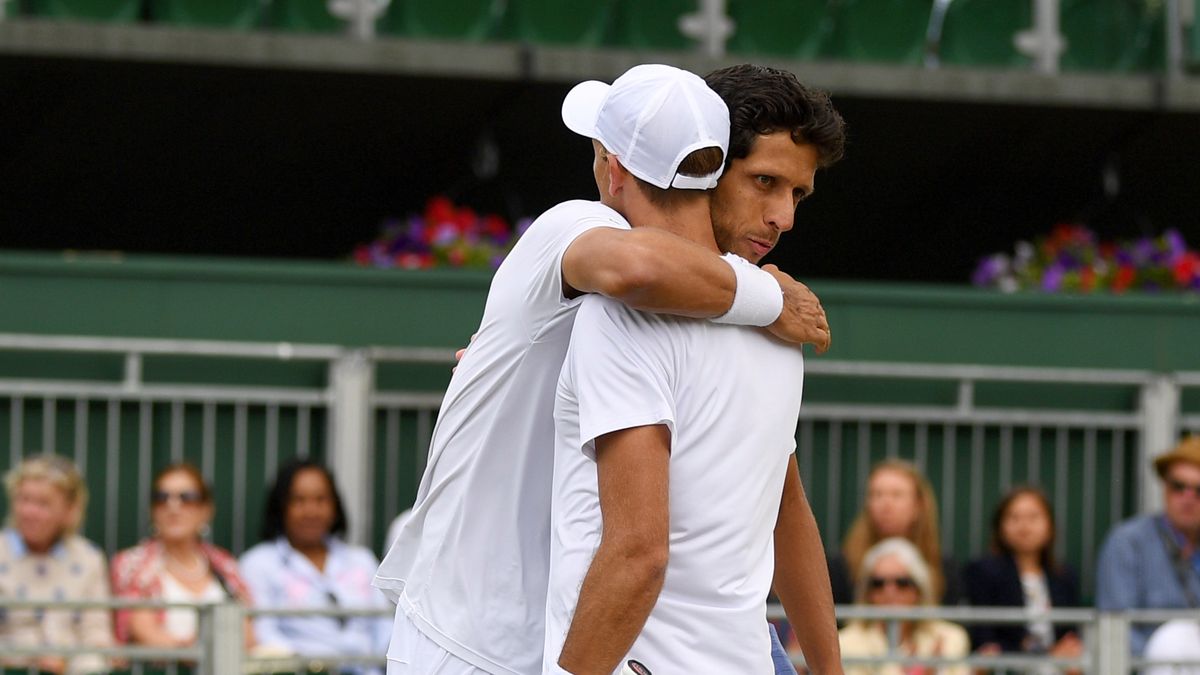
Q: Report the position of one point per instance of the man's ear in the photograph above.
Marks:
(618, 177)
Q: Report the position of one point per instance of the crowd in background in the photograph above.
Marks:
(301, 562)
(890, 557)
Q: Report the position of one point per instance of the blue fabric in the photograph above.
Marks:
(1135, 572)
(783, 663)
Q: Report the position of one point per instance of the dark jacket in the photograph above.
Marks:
(843, 583)
(994, 582)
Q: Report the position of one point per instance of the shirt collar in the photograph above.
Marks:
(1179, 538)
(17, 545)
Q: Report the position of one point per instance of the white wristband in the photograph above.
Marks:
(758, 299)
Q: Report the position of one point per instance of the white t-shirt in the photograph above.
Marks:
(181, 623)
(731, 398)
(470, 565)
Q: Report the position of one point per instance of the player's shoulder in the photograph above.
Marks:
(566, 215)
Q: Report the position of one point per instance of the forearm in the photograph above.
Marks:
(802, 579)
(616, 597)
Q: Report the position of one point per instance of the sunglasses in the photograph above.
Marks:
(187, 498)
(901, 583)
(1178, 487)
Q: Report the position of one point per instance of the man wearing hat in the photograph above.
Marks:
(468, 570)
(1153, 561)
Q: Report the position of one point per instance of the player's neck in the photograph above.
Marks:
(690, 220)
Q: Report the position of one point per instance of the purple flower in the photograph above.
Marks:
(496, 260)
(989, 269)
(522, 225)
(1143, 250)
(1052, 278)
(1175, 243)
(444, 234)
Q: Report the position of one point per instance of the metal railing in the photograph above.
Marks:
(1092, 458)
(220, 645)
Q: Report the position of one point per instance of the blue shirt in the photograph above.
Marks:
(281, 577)
(1135, 572)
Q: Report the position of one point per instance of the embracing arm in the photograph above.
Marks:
(656, 271)
(626, 576)
(802, 578)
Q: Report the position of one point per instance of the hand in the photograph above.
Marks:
(459, 354)
(803, 318)
(52, 664)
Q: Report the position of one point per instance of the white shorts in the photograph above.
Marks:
(411, 653)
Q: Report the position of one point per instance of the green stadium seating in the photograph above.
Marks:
(652, 25)
(237, 14)
(87, 10)
(473, 20)
(797, 29)
(305, 15)
(1194, 39)
(1113, 35)
(883, 31)
(582, 23)
(981, 32)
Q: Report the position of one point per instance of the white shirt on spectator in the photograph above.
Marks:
(730, 397)
(470, 565)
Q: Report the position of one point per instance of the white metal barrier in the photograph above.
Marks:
(220, 646)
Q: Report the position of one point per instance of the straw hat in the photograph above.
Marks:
(1188, 450)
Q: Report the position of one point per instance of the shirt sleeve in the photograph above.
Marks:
(541, 258)
(619, 368)
(257, 572)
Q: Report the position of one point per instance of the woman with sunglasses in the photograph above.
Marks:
(896, 575)
(1022, 572)
(175, 564)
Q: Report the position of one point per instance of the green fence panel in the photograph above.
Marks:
(652, 25)
(584, 23)
(882, 31)
(1113, 35)
(304, 15)
(982, 32)
(795, 30)
(472, 20)
(234, 14)
(88, 10)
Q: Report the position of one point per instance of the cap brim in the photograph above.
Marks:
(581, 107)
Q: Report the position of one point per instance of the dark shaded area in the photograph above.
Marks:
(164, 158)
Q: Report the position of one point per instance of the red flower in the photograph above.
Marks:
(1186, 267)
(1123, 279)
(494, 225)
(1087, 279)
(362, 255)
(439, 209)
(465, 219)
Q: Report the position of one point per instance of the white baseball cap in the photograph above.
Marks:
(651, 118)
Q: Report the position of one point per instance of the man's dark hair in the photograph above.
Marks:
(763, 100)
(277, 499)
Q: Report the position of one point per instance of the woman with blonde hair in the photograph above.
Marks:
(42, 558)
(899, 503)
(895, 575)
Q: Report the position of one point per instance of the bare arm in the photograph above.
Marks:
(802, 578)
(626, 576)
(656, 271)
(649, 270)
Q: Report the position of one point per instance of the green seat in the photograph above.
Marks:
(982, 32)
(582, 23)
(305, 15)
(1113, 35)
(882, 31)
(652, 25)
(473, 20)
(89, 10)
(239, 14)
(1193, 55)
(796, 29)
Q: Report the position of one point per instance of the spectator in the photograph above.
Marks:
(1153, 561)
(175, 564)
(1177, 640)
(302, 563)
(42, 558)
(895, 575)
(900, 503)
(1022, 572)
